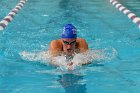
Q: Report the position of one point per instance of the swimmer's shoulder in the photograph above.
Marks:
(56, 44)
(80, 40)
(82, 44)
(55, 47)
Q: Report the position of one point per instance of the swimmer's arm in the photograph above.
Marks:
(55, 48)
(82, 45)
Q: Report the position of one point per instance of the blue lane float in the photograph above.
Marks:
(6, 20)
(127, 12)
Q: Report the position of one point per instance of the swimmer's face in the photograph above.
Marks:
(69, 45)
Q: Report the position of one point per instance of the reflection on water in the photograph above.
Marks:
(72, 83)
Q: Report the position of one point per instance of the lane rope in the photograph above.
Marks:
(6, 20)
(127, 12)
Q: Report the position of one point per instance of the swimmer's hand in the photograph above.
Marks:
(70, 66)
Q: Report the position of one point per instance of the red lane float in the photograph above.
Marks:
(127, 12)
(5, 21)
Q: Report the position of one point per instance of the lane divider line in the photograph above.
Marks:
(6, 20)
(135, 19)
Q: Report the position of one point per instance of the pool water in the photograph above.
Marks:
(100, 23)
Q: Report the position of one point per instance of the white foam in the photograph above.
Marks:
(78, 60)
(1, 27)
(43, 57)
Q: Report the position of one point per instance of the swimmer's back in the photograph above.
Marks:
(56, 46)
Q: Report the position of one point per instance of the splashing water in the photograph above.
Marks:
(42, 57)
(78, 59)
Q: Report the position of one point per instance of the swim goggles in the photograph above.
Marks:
(69, 43)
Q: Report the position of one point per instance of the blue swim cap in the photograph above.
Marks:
(69, 31)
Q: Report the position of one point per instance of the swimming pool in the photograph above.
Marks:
(100, 23)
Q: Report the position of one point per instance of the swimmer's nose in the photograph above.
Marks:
(69, 46)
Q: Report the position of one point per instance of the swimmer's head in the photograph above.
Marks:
(69, 31)
(69, 36)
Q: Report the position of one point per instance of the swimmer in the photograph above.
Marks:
(68, 45)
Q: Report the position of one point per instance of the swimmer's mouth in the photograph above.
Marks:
(69, 50)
